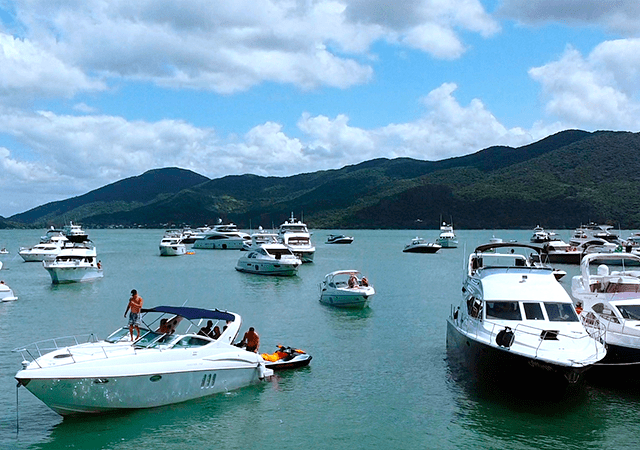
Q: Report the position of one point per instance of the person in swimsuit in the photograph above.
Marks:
(135, 306)
(252, 340)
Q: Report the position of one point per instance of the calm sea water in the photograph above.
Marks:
(379, 378)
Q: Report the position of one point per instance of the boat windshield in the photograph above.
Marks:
(121, 334)
(151, 338)
(561, 312)
(629, 312)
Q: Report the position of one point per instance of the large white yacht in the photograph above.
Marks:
(6, 293)
(171, 244)
(447, 237)
(294, 234)
(516, 321)
(269, 259)
(48, 248)
(159, 368)
(222, 236)
(74, 233)
(77, 261)
(611, 302)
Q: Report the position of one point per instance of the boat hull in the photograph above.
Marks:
(60, 275)
(219, 244)
(268, 269)
(447, 243)
(38, 257)
(295, 363)
(72, 396)
(498, 365)
(422, 249)
(173, 250)
(354, 301)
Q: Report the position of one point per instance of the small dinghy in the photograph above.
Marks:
(286, 358)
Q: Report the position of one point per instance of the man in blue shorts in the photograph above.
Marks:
(135, 305)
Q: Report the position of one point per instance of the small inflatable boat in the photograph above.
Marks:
(286, 358)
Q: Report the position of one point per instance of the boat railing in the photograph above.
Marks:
(542, 334)
(35, 350)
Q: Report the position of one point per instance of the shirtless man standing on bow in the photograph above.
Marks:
(135, 305)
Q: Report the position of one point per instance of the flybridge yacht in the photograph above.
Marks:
(75, 262)
(222, 236)
(609, 289)
(47, 249)
(74, 233)
(294, 234)
(171, 244)
(269, 259)
(516, 320)
(447, 237)
(164, 366)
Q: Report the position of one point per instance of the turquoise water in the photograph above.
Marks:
(379, 377)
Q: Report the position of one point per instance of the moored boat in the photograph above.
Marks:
(294, 234)
(346, 289)
(76, 262)
(447, 237)
(222, 237)
(171, 245)
(269, 259)
(160, 368)
(339, 239)
(286, 358)
(419, 245)
(6, 293)
(517, 323)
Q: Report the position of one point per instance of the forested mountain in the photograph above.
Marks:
(559, 182)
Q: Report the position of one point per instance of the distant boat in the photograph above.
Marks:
(339, 239)
(447, 238)
(419, 245)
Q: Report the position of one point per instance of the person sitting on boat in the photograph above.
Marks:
(353, 281)
(164, 326)
(364, 281)
(251, 340)
(216, 332)
(206, 331)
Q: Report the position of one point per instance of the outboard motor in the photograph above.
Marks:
(505, 337)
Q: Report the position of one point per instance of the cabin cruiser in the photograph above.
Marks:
(611, 303)
(222, 236)
(159, 368)
(339, 239)
(74, 233)
(48, 248)
(76, 262)
(447, 238)
(6, 294)
(559, 252)
(419, 245)
(260, 237)
(171, 245)
(593, 231)
(269, 259)
(295, 235)
(515, 320)
(346, 289)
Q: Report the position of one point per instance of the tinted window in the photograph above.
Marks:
(503, 311)
(533, 311)
(561, 312)
(631, 312)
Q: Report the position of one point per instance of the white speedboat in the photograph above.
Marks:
(6, 294)
(75, 262)
(172, 245)
(75, 233)
(516, 322)
(419, 245)
(295, 235)
(269, 259)
(48, 248)
(611, 302)
(339, 239)
(4, 251)
(539, 235)
(89, 376)
(346, 289)
(447, 237)
(223, 237)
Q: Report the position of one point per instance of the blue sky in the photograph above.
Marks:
(95, 91)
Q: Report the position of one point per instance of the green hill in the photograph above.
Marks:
(558, 182)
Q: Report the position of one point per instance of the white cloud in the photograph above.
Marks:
(227, 46)
(29, 71)
(599, 91)
(79, 153)
(620, 16)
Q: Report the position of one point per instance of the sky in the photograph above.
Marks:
(95, 91)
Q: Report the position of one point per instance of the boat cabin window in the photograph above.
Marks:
(629, 312)
(561, 312)
(533, 311)
(503, 311)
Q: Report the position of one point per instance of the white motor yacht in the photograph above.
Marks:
(48, 248)
(74, 233)
(611, 302)
(6, 294)
(160, 368)
(419, 245)
(171, 245)
(447, 237)
(516, 321)
(260, 237)
(75, 262)
(269, 259)
(346, 289)
(295, 235)
(222, 236)
(339, 239)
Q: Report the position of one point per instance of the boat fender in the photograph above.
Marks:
(505, 337)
